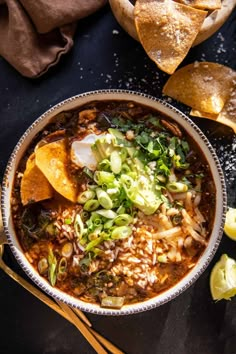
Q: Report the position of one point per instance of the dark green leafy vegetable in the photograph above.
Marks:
(37, 223)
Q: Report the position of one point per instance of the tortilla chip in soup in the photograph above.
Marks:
(52, 160)
(34, 185)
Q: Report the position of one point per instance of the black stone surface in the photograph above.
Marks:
(104, 56)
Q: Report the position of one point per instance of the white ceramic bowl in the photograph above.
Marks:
(192, 130)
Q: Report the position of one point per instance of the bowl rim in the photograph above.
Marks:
(173, 113)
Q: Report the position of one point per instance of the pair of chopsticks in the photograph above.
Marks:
(75, 316)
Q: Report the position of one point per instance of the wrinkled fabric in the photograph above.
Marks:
(34, 34)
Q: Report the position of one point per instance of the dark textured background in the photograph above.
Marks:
(104, 56)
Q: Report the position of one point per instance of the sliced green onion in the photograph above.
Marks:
(109, 214)
(96, 251)
(123, 154)
(125, 168)
(112, 191)
(62, 266)
(103, 177)
(88, 172)
(67, 250)
(92, 186)
(106, 235)
(162, 258)
(161, 178)
(123, 219)
(68, 221)
(116, 133)
(79, 226)
(97, 221)
(93, 244)
(104, 199)
(52, 261)
(85, 196)
(133, 175)
(127, 181)
(95, 233)
(62, 269)
(177, 187)
(83, 241)
(115, 302)
(85, 261)
(91, 205)
(104, 165)
(116, 202)
(176, 220)
(95, 218)
(84, 214)
(131, 151)
(108, 224)
(42, 265)
(121, 210)
(121, 232)
(115, 162)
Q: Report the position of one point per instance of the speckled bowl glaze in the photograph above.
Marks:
(192, 130)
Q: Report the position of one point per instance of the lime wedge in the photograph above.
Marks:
(223, 279)
(230, 224)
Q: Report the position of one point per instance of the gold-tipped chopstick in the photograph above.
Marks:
(82, 328)
(37, 293)
(111, 347)
(41, 296)
(75, 320)
(49, 302)
(81, 315)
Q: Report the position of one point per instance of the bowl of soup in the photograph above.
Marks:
(113, 201)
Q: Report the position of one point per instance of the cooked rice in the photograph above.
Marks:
(135, 258)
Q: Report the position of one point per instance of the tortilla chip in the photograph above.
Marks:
(167, 30)
(34, 185)
(52, 160)
(228, 114)
(217, 117)
(201, 114)
(228, 122)
(203, 4)
(30, 163)
(204, 86)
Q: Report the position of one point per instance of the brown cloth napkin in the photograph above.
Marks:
(35, 33)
